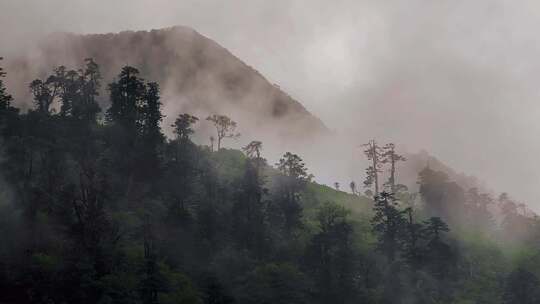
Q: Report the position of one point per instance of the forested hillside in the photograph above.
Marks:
(98, 206)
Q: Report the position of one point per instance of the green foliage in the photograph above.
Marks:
(114, 212)
(388, 223)
(274, 283)
(183, 126)
(179, 288)
(5, 98)
(330, 257)
(286, 207)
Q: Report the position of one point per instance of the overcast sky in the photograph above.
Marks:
(458, 78)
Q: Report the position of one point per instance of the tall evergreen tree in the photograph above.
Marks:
(413, 252)
(5, 98)
(152, 117)
(127, 94)
(183, 126)
(439, 255)
(388, 224)
(8, 113)
(180, 174)
(249, 210)
(330, 257)
(294, 177)
(135, 133)
(152, 138)
(389, 156)
(88, 108)
(373, 153)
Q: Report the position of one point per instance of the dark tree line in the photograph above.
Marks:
(424, 264)
(111, 211)
(98, 206)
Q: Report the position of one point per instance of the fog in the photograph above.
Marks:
(456, 78)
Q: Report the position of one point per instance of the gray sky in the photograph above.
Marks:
(457, 78)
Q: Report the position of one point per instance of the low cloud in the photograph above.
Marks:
(457, 78)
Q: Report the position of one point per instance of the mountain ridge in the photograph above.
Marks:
(197, 75)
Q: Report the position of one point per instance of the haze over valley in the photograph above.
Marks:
(252, 151)
(455, 79)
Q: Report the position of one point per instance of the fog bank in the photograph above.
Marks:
(456, 78)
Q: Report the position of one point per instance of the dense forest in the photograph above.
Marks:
(98, 206)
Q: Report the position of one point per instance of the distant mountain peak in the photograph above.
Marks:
(196, 75)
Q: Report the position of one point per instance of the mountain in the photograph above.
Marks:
(416, 162)
(196, 76)
(200, 77)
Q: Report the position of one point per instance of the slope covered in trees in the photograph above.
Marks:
(98, 206)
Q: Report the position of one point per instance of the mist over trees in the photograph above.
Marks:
(98, 206)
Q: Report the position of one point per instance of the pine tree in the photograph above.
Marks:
(330, 257)
(88, 107)
(127, 97)
(135, 135)
(5, 98)
(183, 126)
(8, 113)
(152, 138)
(439, 254)
(414, 236)
(249, 222)
(293, 179)
(374, 154)
(151, 113)
(389, 156)
(388, 224)
(180, 168)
